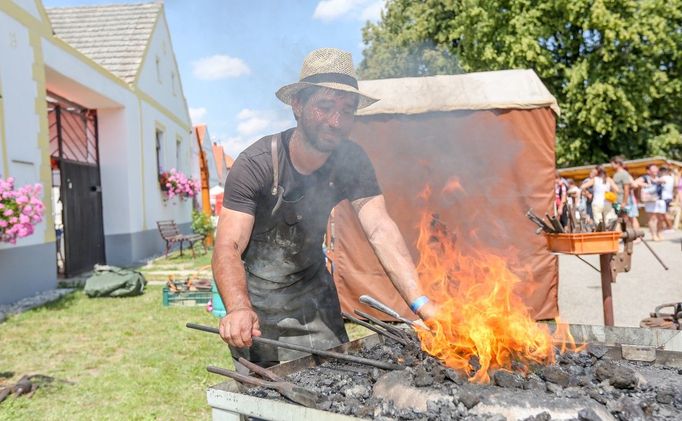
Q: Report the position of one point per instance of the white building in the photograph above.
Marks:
(90, 103)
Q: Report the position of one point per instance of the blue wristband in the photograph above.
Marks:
(418, 303)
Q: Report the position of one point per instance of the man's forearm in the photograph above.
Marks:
(390, 248)
(230, 277)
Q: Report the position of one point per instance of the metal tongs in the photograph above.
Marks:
(287, 389)
(378, 305)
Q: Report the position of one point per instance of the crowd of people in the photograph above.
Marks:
(602, 198)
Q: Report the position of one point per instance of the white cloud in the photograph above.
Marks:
(254, 124)
(219, 66)
(372, 12)
(197, 114)
(329, 10)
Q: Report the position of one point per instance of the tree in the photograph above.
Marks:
(615, 66)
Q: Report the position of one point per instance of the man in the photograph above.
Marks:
(560, 198)
(625, 198)
(275, 213)
(667, 193)
(653, 204)
(588, 192)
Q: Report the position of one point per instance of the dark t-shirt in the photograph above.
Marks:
(298, 225)
(249, 182)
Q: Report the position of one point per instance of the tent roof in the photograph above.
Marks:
(115, 36)
(635, 167)
(473, 91)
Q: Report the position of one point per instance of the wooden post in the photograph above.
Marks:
(607, 278)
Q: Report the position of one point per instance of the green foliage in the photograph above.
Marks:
(393, 51)
(201, 223)
(614, 66)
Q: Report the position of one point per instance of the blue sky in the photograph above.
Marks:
(233, 55)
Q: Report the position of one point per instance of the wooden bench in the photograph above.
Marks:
(171, 235)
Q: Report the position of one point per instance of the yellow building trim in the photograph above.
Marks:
(45, 30)
(43, 133)
(3, 140)
(25, 18)
(165, 111)
(146, 49)
(43, 14)
(175, 63)
(142, 184)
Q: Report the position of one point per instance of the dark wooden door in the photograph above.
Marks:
(81, 195)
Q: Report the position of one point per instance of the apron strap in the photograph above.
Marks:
(275, 163)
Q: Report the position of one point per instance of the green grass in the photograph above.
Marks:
(160, 268)
(128, 359)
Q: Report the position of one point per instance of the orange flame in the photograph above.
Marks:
(480, 316)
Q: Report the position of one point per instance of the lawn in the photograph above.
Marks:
(127, 358)
(180, 267)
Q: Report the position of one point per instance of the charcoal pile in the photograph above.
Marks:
(586, 385)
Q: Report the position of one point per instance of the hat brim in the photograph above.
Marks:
(286, 93)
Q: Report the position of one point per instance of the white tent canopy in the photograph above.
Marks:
(520, 89)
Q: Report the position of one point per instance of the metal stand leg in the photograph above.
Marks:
(606, 280)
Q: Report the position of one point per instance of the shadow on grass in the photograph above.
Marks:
(61, 304)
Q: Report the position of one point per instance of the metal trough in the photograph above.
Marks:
(660, 346)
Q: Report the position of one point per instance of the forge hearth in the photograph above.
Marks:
(595, 384)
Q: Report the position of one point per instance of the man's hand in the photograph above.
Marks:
(239, 326)
(428, 311)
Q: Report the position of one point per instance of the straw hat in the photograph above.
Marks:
(330, 68)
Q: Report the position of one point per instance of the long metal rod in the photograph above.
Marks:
(396, 331)
(374, 328)
(588, 263)
(318, 352)
(646, 243)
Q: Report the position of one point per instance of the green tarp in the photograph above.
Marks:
(112, 281)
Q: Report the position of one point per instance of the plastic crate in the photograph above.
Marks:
(584, 243)
(185, 298)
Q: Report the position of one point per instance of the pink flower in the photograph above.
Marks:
(8, 212)
(3, 223)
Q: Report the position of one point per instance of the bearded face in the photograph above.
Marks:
(326, 117)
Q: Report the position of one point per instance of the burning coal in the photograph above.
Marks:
(483, 323)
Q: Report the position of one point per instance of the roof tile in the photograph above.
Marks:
(114, 36)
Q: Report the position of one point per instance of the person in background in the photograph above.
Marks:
(560, 198)
(653, 204)
(625, 199)
(667, 192)
(678, 199)
(574, 201)
(588, 192)
(601, 183)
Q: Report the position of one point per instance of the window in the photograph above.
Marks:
(173, 83)
(159, 151)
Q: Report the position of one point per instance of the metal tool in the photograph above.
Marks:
(555, 223)
(378, 305)
(395, 330)
(539, 222)
(286, 389)
(374, 328)
(646, 243)
(319, 352)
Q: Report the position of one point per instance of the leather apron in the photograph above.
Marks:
(290, 288)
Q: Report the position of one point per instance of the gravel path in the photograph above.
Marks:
(635, 294)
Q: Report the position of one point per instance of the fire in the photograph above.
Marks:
(481, 318)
